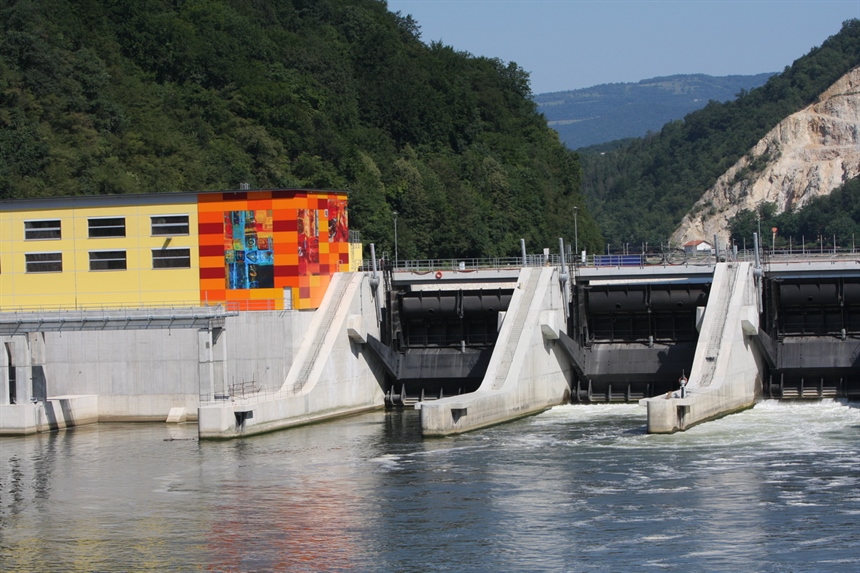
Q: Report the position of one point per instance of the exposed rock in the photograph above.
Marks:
(809, 154)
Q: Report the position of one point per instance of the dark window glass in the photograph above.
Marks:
(170, 225)
(107, 227)
(44, 262)
(107, 261)
(48, 229)
(171, 258)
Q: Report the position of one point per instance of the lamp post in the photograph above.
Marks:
(395, 239)
(758, 219)
(575, 235)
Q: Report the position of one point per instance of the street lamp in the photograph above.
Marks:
(575, 235)
(395, 239)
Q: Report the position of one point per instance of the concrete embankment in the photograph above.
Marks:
(527, 372)
(54, 413)
(726, 372)
(329, 376)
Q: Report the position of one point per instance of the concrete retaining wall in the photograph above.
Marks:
(527, 372)
(140, 375)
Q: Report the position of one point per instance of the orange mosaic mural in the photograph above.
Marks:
(271, 250)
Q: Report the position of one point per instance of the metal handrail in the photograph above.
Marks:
(668, 257)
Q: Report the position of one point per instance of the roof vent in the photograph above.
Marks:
(244, 186)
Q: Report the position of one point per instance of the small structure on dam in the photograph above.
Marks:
(130, 307)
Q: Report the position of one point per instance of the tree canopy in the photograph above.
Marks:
(104, 97)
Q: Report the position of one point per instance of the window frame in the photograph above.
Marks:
(34, 230)
(170, 228)
(107, 266)
(31, 270)
(106, 235)
(186, 257)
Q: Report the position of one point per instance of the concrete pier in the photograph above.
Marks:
(527, 372)
(726, 375)
(329, 376)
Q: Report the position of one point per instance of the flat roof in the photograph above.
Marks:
(166, 198)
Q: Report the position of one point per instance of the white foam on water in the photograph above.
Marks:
(794, 426)
(651, 538)
(387, 461)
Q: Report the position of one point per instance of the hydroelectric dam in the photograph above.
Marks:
(469, 345)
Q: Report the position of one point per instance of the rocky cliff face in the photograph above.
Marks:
(808, 154)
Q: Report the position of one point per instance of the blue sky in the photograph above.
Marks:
(570, 44)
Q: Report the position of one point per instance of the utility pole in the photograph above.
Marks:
(575, 235)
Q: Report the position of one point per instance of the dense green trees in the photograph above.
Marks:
(641, 190)
(825, 221)
(159, 96)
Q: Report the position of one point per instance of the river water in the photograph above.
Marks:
(577, 488)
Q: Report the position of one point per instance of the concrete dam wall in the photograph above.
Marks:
(468, 348)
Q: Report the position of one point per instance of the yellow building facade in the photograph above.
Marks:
(248, 250)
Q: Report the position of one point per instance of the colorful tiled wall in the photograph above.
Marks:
(263, 250)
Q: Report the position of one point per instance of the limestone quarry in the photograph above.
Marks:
(807, 155)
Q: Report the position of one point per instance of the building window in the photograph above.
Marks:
(171, 258)
(107, 227)
(44, 262)
(46, 229)
(169, 225)
(107, 261)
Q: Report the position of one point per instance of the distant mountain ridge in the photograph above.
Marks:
(610, 112)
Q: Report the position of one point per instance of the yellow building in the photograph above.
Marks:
(249, 250)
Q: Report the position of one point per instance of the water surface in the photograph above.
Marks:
(578, 488)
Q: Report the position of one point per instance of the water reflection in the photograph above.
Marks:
(574, 489)
(292, 501)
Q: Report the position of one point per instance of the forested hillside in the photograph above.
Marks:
(610, 112)
(641, 191)
(99, 96)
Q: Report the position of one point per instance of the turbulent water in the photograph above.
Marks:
(578, 488)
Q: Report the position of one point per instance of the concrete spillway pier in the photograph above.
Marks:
(329, 377)
(527, 372)
(727, 368)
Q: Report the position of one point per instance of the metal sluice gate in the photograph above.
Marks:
(814, 326)
(632, 340)
(438, 342)
(625, 339)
